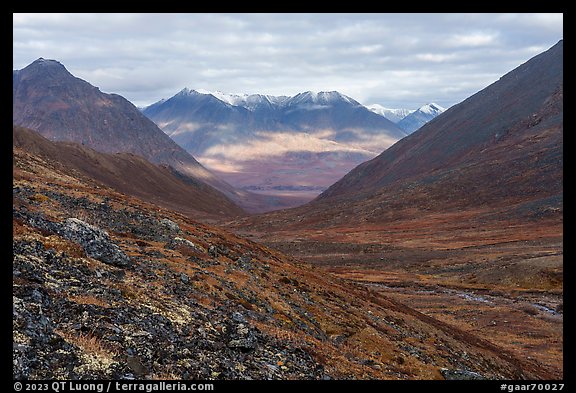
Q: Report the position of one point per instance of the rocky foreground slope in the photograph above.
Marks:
(107, 286)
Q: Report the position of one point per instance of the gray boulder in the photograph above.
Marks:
(95, 242)
(170, 225)
(460, 374)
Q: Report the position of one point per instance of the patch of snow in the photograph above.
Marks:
(320, 98)
(229, 98)
(248, 101)
(392, 114)
(432, 109)
(423, 115)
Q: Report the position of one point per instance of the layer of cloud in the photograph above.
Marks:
(397, 60)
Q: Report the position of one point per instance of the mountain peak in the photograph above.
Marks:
(432, 109)
(62, 107)
(47, 62)
(419, 117)
(186, 92)
(320, 98)
(46, 67)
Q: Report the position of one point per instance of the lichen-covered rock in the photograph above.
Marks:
(170, 225)
(460, 374)
(95, 242)
(179, 242)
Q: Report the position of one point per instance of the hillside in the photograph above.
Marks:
(107, 286)
(498, 154)
(130, 174)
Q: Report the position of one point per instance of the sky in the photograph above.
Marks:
(395, 60)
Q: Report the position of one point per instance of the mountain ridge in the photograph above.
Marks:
(392, 114)
(448, 129)
(498, 155)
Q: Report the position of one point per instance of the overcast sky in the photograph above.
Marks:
(396, 60)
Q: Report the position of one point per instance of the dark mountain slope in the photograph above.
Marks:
(130, 174)
(50, 100)
(523, 111)
(498, 156)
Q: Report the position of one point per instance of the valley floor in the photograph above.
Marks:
(505, 286)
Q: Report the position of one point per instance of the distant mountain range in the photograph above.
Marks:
(419, 117)
(394, 115)
(409, 120)
(199, 120)
(275, 144)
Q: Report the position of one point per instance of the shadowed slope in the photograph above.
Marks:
(130, 174)
(522, 111)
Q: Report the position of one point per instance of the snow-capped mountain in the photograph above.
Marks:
(264, 142)
(394, 115)
(421, 116)
(252, 102)
(311, 100)
(199, 119)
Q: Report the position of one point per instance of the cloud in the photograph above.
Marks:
(435, 57)
(473, 39)
(391, 59)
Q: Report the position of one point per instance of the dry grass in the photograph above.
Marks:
(19, 228)
(39, 198)
(285, 335)
(130, 291)
(72, 249)
(89, 299)
(89, 343)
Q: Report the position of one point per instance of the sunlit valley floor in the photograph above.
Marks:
(504, 285)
